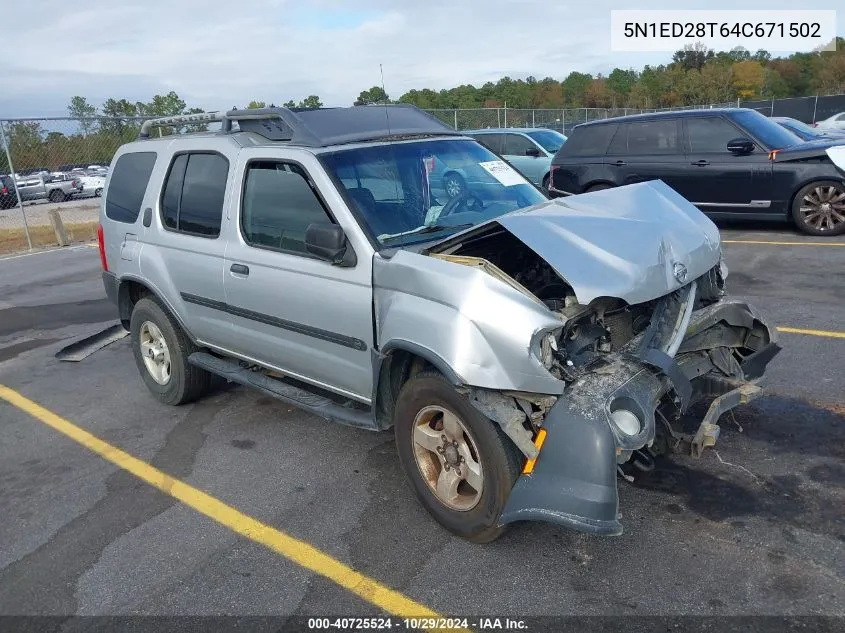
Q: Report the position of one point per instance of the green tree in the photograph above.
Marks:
(693, 56)
(289, 104)
(376, 94)
(82, 111)
(574, 88)
(254, 105)
(311, 101)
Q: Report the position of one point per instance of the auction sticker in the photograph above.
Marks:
(503, 172)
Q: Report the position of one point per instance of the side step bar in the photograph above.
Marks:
(311, 402)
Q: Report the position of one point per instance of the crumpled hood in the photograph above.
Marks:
(632, 242)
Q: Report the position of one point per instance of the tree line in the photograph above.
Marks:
(696, 75)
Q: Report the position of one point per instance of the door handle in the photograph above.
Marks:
(619, 163)
(700, 163)
(240, 269)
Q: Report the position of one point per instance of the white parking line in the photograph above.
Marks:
(50, 250)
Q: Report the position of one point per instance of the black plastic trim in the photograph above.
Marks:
(418, 350)
(292, 326)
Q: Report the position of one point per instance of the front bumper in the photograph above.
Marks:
(574, 478)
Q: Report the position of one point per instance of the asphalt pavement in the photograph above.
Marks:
(754, 527)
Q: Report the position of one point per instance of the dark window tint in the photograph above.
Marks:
(127, 186)
(192, 201)
(492, 142)
(653, 137)
(587, 140)
(516, 145)
(278, 206)
(710, 134)
(173, 191)
(619, 144)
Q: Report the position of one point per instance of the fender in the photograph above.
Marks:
(417, 350)
(123, 303)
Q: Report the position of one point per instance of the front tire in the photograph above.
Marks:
(819, 208)
(461, 465)
(57, 196)
(98, 192)
(454, 185)
(161, 349)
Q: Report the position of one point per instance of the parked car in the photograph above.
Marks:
(529, 150)
(731, 162)
(8, 197)
(835, 122)
(46, 186)
(523, 349)
(91, 185)
(807, 132)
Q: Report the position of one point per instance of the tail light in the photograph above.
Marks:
(4, 191)
(75, 184)
(102, 244)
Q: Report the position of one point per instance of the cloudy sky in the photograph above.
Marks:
(217, 54)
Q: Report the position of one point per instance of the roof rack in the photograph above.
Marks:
(318, 127)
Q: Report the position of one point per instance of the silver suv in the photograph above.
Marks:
(525, 351)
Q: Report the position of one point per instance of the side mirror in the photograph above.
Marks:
(328, 242)
(532, 151)
(740, 146)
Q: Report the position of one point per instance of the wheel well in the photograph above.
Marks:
(598, 182)
(129, 293)
(397, 368)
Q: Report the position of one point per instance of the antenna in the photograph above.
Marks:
(384, 92)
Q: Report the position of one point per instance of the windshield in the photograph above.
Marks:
(414, 192)
(548, 139)
(767, 131)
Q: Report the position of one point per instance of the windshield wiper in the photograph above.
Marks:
(431, 228)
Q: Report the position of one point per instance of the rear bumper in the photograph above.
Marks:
(111, 284)
(575, 475)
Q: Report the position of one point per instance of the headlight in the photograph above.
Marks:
(548, 347)
(626, 421)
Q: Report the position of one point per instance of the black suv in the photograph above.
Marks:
(729, 162)
(8, 194)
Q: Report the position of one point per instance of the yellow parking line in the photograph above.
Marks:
(293, 549)
(797, 330)
(783, 243)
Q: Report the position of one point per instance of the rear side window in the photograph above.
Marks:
(128, 183)
(192, 200)
(588, 140)
(278, 206)
(653, 137)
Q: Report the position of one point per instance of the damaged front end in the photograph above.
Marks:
(623, 408)
(645, 331)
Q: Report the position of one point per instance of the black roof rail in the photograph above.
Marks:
(319, 127)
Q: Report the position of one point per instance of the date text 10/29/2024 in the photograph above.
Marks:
(417, 624)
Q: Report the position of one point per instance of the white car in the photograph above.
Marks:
(836, 122)
(92, 185)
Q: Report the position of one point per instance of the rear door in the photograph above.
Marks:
(717, 180)
(647, 150)
(182, 250)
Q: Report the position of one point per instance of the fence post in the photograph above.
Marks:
(563, 121)
(533, 124)
(585, 115)
(15, 184)
(456, 119)
(498, 117)
(815, 105)
(506, 114)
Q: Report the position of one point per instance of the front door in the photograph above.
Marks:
(291, 311)
(718, 181)
(526, 157)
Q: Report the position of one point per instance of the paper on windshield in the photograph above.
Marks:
(503, 172)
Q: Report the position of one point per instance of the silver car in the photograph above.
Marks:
(527, 352)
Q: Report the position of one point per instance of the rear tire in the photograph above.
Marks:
(485, 455)
(546, 182)
(98, 192)
(57, 196)
(181, 382)
(819, 208)
(599, 187)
